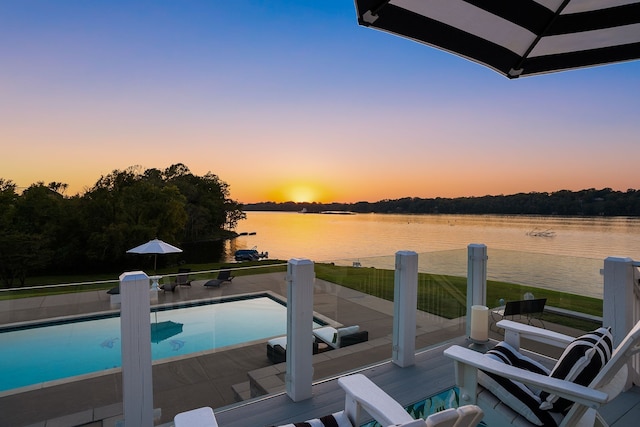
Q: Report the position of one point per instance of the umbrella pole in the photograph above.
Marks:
(155, 260)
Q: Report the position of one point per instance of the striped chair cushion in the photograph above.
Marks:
(580, 363)
(505, 353)
(338, 419)
(514, 394)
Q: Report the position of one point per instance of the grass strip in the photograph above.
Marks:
(445, 296)
(48, 285)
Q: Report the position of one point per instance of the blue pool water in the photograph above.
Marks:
(50, 352)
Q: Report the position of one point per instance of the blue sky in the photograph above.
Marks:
(292, 100)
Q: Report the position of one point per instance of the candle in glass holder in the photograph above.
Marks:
(479, 323)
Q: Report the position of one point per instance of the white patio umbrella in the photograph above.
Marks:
(155, 247)
(515, 38)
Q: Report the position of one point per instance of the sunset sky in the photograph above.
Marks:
(292, 100)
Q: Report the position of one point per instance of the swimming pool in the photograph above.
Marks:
(39, 353)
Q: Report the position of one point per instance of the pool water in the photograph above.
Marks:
(55, 351)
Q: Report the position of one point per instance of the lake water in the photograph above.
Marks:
(570, 260)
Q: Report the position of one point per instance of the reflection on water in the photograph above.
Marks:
(570, 260)
(319, 237)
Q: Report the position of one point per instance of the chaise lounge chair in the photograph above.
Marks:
(325, 338)
(588, 374)
(361, 394)
(341, 337)
(169, 287)
(277, 349)
(223, 276)
(182, 279)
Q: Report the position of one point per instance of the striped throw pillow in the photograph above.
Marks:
(580, 363)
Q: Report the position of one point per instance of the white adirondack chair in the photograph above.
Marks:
(609, 382)
(361, 393)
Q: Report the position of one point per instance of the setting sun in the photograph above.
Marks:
(300, 192)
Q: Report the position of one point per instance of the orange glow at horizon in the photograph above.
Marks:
(300, 192)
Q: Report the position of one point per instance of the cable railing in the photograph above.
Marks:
(59, 285)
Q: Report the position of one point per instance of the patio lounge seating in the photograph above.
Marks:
(361, 394)
(582, 380)
(532, 309)
(223, 276)
(182, 279)
(277, 349)
(341, 337)
(169, 287)
(114, 296)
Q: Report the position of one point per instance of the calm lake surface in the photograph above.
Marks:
(570, 260)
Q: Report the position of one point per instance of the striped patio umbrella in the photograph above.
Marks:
(515, 37)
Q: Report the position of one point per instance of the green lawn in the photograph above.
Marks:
(446, 295)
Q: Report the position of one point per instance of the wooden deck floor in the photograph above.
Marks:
(431, 374)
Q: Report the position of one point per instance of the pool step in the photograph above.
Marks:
(241, 391)
(261, 381)
(267, 380)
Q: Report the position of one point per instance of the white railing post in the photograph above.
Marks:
(299, 376)
(620, 306)
(618, 297)
(135, 329)
(476, 278)
(405, 302)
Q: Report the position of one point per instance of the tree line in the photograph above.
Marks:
(42, 231)
(589, 202)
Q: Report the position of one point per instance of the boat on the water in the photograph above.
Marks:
(249, 255)
(337, 212)
(541, 233)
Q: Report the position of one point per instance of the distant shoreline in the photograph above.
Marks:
(585, 203)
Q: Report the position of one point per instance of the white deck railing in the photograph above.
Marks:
(621, 303)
